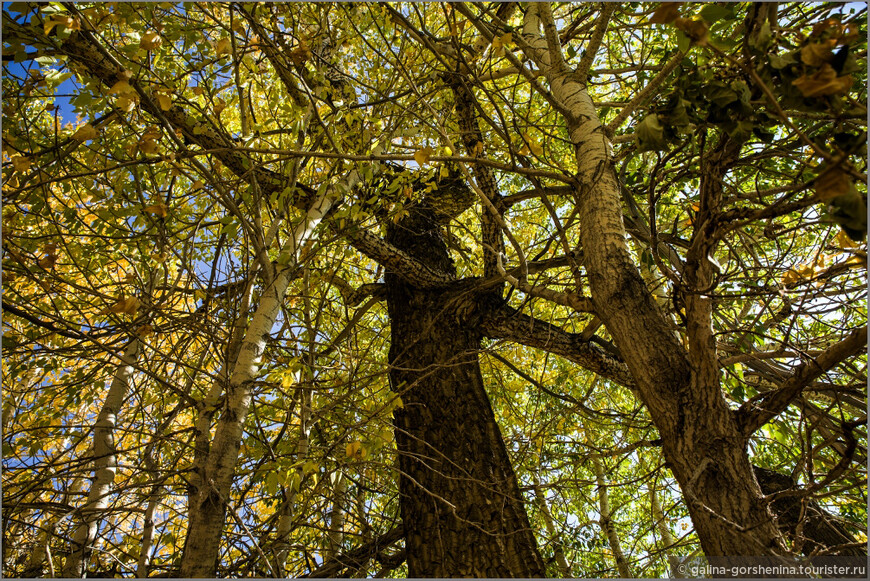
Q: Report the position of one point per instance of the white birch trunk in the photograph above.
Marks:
(606, 519)
(208, 507)
(105, 463)
(665, 532)
(148, 528)
(336, 516)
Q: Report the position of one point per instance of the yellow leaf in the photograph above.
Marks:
(68, 21)
(665, 13)
(843, 241)
(421, 156)
(860, 259)
(816, 54)
(85, 133)
(531, 145)
(288, 379)
(164, 101)
(151, 132)
(144, 330)
(223, 47)
(159, 209)
(124, 305)
(832, 183)
(477, 149)
(300, 54)
(150, 41)
(130, 306)
(354, 449)
(197, 185)
(48, 261)
(21, 164)
(126, 104)
(823, 82)
(696, 30)
(148, 146)
(122, 88)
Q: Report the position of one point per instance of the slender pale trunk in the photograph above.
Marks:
(605, 519)
(209, 501)
(336, 515)
(105, 463)
(148, 528)
(558, 552)
(286, 510)
(664, 532)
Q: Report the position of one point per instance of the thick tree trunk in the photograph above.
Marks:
(461, 506)
(702, 441)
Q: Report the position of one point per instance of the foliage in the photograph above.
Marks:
(119, 225)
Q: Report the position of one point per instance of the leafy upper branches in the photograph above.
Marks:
(640, 228)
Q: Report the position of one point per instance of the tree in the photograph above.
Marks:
(418, 288)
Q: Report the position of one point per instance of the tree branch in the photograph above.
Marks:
(751, 418)
(582, 70)
(508, 323)
(356, 558)
(397, 261)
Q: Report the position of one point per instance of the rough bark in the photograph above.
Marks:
(820, 531)
(460, 502)
(702, 440)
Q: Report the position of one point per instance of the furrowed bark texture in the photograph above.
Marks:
(820, 530)
(702, 442)
(105, 465)
(460, 503)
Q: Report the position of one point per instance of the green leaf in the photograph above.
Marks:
(18, 7)
(850, 212)
(683, 41)
(271, 483)
(54, 78)
(779, 62)
(715, 12)
(763, 38)
(650, 134)
(719, 94)
(231, 229)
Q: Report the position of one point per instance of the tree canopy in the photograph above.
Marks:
(436, 289)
